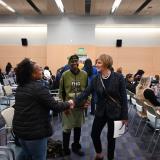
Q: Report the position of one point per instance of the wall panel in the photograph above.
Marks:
(55, 56)
(14, 54)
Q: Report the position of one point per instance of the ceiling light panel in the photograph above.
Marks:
(60, 5)
(7, 6)
(128, 7)
(101, 7)
(115, 5)
(22, 7)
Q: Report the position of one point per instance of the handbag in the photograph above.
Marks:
(113, 108)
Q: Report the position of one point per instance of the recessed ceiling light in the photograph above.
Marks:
(60, 5)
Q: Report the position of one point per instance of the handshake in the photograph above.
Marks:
(72, 103)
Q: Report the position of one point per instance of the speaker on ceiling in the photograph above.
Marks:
(24, 41)
(119, 43)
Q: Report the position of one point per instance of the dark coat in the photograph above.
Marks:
(33, 103)
(116, 89)
(150, 95)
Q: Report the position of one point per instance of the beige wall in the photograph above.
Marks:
(130, 58)
(15, 53)
(134, 58)
(55, 56)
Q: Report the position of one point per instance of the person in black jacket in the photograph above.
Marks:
(8, 68)
(33, 102)
(107, 84)
(1, 77)
(151, 97)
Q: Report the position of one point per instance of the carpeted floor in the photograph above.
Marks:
(128, 147)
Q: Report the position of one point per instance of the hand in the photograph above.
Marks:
(72, 104)
(87, 103)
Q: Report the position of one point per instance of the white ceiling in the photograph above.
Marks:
(83, 7)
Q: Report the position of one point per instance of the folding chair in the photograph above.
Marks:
(55, 94)
(8, 114)
(11, 81)
(9, 93)
(4, 100)
(141, 113)
(134, 102)
(154, 121)
(6, 81)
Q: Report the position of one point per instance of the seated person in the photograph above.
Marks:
(145, 93)
(155, 79)
(143, 84)
(129, 83)
(151, 97)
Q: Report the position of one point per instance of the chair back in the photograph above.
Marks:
(153, 117)
(133, 100)
(6, 81)
(129, 92)
(8, 90)
(11, 81)
(139, 107)
(8, 114)
(128, 97)
(1, 91)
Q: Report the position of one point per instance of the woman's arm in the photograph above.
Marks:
(45, 98)
(84, 95)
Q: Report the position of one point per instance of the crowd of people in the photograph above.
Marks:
(96, 86)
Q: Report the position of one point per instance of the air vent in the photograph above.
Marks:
(34, 6)
(87, 7)
(142, 6)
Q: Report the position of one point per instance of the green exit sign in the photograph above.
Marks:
(81, 51)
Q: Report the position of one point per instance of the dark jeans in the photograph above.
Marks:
(98, 125)
(33, 149)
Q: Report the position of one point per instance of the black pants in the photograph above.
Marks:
(98, 125)
(93, 100)
(66, 137)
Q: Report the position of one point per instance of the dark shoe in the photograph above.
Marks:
(76, 148)
(99, 158)
(91, 113)
(79, 152)
(66, 152)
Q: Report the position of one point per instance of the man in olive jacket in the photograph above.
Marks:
(73, 82)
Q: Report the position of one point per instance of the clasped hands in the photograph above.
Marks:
(72, 104)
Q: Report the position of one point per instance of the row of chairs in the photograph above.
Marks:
(6, 153)
(148, 114)
(6, 95)
(9, 81)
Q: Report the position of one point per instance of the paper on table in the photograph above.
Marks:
(118, 129)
